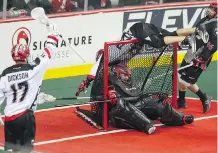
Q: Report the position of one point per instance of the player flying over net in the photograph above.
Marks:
(20, 85)
(203, 44)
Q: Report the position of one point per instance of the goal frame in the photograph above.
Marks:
(106, 51)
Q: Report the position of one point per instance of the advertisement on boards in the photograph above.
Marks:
(84, 36)
(168, 18)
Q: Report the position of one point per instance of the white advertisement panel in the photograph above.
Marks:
(86, 34)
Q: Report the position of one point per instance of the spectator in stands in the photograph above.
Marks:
(19, 8)
(60, 6)
(172, 1)
(96, 4)
(129, 2)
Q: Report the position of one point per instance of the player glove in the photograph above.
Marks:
(198, 62)
(112, 95)
(84, 85)
(52, 29)
(186, 41)
(81, 88)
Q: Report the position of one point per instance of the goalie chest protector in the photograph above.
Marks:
(124, 89)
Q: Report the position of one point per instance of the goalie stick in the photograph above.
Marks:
(90, 102)
(124, 98)
(87, 119)
(38, 14)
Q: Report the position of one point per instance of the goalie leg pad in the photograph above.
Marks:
(131, 115)
(171, 117)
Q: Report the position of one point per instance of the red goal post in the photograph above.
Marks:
(146, 63)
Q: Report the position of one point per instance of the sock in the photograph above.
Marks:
(201, 95)
(182, 95)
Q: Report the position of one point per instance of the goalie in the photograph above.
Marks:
(136, 112)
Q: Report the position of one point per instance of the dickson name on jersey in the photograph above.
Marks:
(17, 77)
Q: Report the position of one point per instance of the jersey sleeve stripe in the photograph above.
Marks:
(55, 39)
(13, 117)
(48, 52)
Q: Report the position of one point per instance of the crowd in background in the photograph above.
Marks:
(20, 8)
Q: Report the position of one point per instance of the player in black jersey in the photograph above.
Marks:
(203, 44)
(154, 36)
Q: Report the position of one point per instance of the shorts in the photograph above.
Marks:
(189, 75)
(20, 133)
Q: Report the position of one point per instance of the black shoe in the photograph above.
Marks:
(206, 103)
(149, 129)
(188, 119)
(181, 103)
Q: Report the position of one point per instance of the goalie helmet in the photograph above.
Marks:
(20, 52)
(122, 72)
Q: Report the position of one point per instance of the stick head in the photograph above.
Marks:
(43, 97)
(38, 14)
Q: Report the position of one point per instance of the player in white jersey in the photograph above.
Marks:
(20, 84)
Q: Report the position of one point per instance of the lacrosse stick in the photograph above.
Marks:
(184, 67)
(38, 14)
(106, 101)
(43, 97)
(90, 102)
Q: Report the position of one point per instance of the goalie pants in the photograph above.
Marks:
(126, 115)
(164, 112)
(20, 133)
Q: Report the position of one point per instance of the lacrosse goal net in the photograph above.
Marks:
(153, 69)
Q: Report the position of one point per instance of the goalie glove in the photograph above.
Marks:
(52, 29)
(112, 95)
